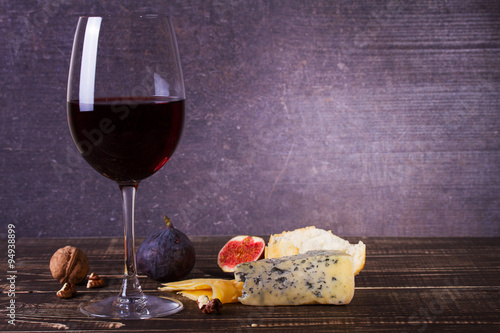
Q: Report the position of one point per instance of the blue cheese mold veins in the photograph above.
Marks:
(316, 277)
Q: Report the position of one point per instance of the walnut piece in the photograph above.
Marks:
(68, 290)
(69, 264)
(212, 306)
(95, 281)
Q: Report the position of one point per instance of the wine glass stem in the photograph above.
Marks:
(130, 287)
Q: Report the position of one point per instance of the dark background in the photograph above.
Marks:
(369, 118)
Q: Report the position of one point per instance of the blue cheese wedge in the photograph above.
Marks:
(315, 277)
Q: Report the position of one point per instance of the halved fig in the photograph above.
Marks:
(238, 250)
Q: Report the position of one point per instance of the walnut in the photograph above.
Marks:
(69, 264)
(95, 281)
(209, 306)
(67, 291)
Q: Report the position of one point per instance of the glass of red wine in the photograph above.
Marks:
(125, 108)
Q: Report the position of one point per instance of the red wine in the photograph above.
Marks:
(127, 139)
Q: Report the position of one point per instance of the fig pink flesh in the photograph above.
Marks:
(236, 252)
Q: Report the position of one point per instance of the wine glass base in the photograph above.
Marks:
(144, 308)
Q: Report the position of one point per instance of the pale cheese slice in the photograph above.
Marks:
(310, 238)
(227, 291)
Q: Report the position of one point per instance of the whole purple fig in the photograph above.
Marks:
(167, 255)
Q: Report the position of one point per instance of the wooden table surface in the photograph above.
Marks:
(407, 285)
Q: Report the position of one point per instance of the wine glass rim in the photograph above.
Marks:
(146, 15)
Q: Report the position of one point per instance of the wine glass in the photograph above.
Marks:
(125, 108)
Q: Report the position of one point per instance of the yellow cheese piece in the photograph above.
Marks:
(195, 294)
(316, 277)
(227, 291)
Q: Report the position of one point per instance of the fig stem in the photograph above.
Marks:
(167, 221)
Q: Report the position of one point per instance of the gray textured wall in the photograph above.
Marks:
(364, 117)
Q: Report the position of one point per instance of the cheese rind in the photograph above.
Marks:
(316, 277)
(303, 240)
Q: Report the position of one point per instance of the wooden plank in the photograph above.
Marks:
(410, 284)
(388, 309)
(390, 261)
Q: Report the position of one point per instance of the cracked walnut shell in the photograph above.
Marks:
(69, 264)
